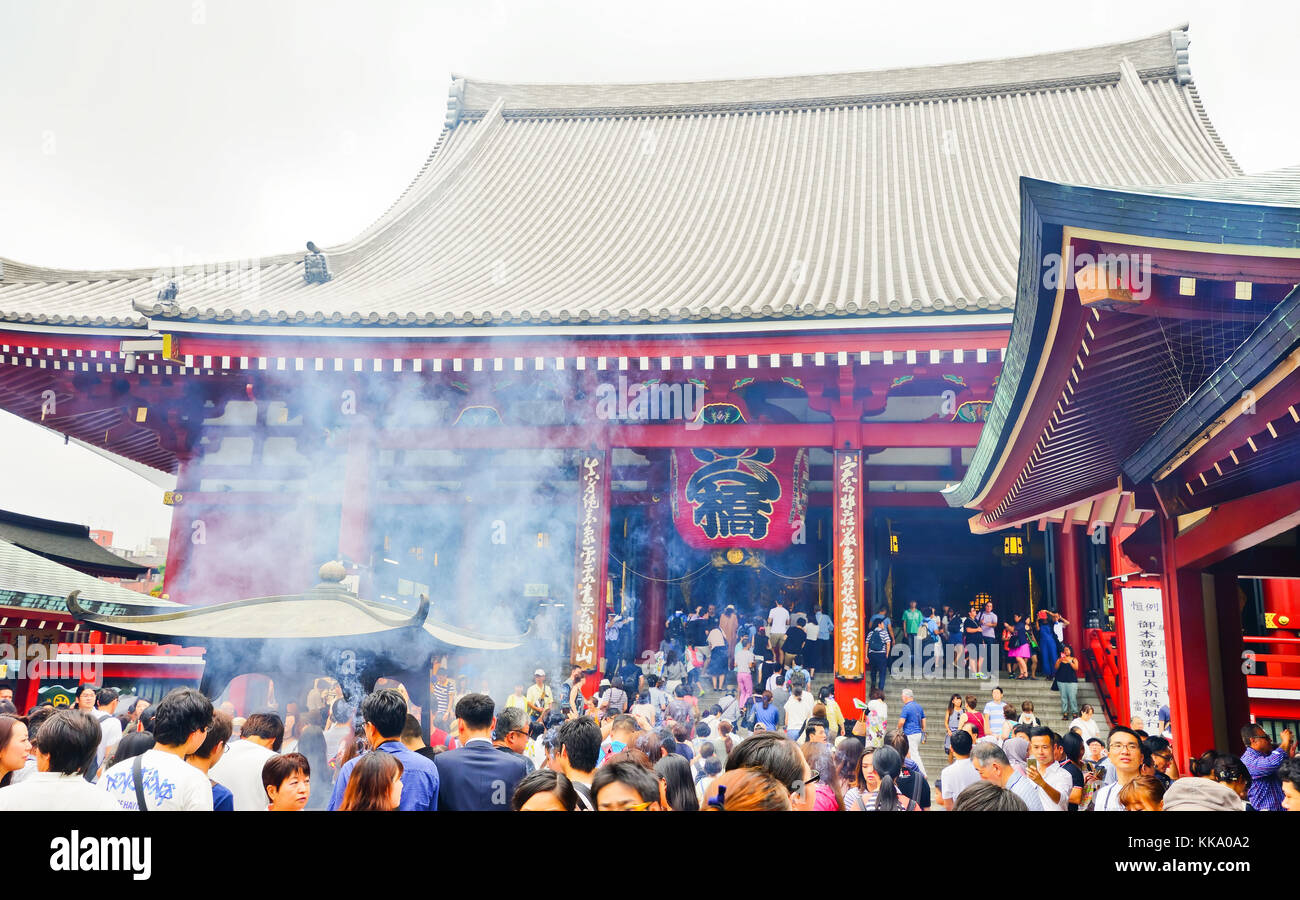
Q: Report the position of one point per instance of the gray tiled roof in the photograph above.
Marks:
(1277, 187)
(65, 543)
(24, 572)
(778, 198)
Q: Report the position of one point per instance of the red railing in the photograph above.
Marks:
(1273, 694)
(1101, 659)
(1274, 662)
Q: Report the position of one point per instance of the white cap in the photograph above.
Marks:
(539, 672)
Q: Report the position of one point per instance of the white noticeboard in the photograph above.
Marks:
(1144, 651)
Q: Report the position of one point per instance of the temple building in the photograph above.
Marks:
(1148, 407)
(635, 348)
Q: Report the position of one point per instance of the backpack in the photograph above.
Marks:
(954, 626)
(876, 641)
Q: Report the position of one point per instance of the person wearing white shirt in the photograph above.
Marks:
(1054, 783)
(64, 745)
(110, 727)
(1058, 628)
(166, 780)
(797, 710)
(240, 769)
(337, 728)
(778, 620)
(961, 774)
(1125, 759)
(729, 707)
(1087, 726)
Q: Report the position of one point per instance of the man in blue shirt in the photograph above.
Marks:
(911, 721)
(995, 715)
(1264, 762)
(384, 713)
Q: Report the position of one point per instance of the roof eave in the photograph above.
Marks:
(1267, 346)
(1052, 205)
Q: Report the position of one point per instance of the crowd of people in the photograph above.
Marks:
(634, 746)
(713, 650)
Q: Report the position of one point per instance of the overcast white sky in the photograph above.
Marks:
(163, 132)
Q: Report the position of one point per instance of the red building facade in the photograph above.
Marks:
(618, 347)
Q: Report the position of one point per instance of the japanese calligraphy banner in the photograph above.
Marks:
(1144, 651)
(847, 516)
(592, 555)
(750, 498)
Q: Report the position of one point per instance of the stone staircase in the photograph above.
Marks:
(933, 694)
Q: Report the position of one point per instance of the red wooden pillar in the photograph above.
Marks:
(653, 610)
(1069, 586)
(850, 540)
(180, 537)
(1186, 651)
(591, 566)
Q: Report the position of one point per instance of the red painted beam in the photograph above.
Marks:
(882, 434)
(1239, 525)
(887, 499)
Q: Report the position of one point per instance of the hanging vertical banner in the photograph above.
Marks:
(849, 542)
(592, 560)
(1144, 651)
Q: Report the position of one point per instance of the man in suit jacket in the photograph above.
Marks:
(477, 776)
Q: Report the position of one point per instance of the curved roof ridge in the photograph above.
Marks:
(1163, 53)
(435, 175)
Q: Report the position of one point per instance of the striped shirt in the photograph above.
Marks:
(441, 698)
(1026, 790)
(1265, 791)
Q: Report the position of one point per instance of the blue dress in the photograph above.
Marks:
(1047, 647)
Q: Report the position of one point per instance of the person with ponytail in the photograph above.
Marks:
(888, 765)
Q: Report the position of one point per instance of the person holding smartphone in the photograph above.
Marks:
(1067, 681)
